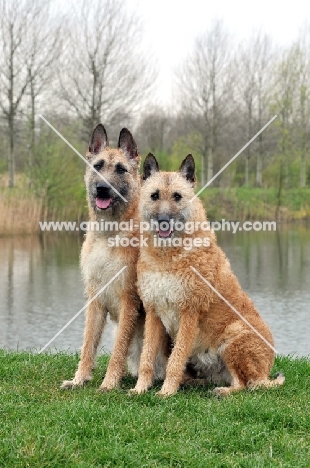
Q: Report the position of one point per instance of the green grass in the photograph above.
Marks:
(42, 426)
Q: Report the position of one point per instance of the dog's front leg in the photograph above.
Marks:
(95, 320)
(125, 331)
(154, 334)
(180, 353)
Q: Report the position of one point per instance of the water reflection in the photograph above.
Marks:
(41, 287)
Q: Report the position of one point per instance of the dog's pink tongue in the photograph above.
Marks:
(103, 204)
(164, 233)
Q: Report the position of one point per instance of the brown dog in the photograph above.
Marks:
(114, 201)
(205, 330)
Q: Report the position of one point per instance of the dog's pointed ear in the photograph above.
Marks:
(99, 140)
(187, 169)
(127, 144)
(150, 166)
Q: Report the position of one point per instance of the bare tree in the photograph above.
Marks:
(204, 85)
(284, 103)
(245, 63)
(105, 72)
(42, 49)
(15, 18)
(265, 57)
(153, 129)
(304, 99)
(254, 60)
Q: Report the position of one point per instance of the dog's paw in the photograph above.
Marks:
(102, 389)
(138, 390)
(166, 392)
(169, 388)
(105, 389)
(75, 383)
(162, 394)
(107, 386)
(221, 392)
(134, 391)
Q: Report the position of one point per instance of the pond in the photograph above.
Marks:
(41, 287)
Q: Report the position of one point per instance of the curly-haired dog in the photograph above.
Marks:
(205, 330)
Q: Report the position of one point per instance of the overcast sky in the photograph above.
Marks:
(170, 26)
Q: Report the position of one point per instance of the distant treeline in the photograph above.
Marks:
(86, 64)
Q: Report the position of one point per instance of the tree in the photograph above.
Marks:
(153, 129)
(15, 18)
(254, 60)
(284, 104)
(42, 50)
(205, 86)
(304, 100)
(245, 62)
(106, 74)
(265, 57)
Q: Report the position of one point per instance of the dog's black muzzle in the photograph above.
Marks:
(164, 222)
(103, 190)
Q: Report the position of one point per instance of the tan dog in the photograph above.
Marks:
(205, 330)
(101, 261)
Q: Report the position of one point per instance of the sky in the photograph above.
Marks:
(171, 26)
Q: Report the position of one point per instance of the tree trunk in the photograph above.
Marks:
(248, 153)
(32, 132)
(210, 152)
(210, 163)
(303, 170)
(304, 124)
(259, 159)
(282, 166)
(203, 170)
(247, 171)
(279, 194)
(204, 162)
(11, 156)
(213, 130)
(259, 169)
(32, 119)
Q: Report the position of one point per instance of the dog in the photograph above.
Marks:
(113, 200)
(207, 334)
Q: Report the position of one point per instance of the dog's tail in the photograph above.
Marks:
(278, 380)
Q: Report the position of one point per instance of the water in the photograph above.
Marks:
(41, 287)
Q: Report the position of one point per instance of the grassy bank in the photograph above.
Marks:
(257, 204)
(42, 426)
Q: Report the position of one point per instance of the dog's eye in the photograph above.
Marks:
(98, 166)
(120, 169)
(177, 196)
(155, 196)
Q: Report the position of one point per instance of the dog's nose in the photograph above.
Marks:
(102, 188)
(102, 185)
(163, 217)
(164, 221)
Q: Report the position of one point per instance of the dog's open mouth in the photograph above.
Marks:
(103, 203)
(165, 234)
